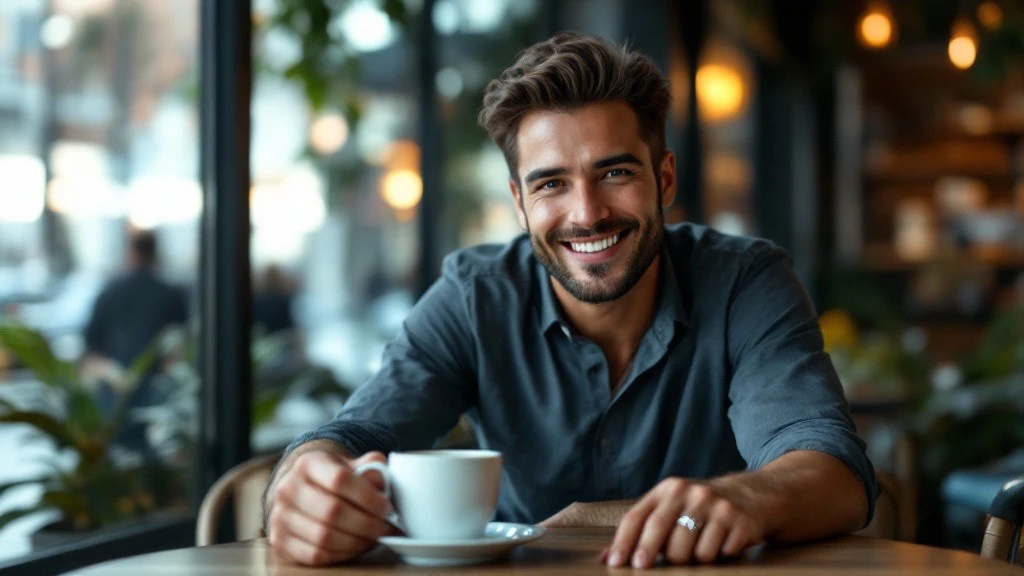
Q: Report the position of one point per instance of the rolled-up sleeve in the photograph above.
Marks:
(784, 392)
(426, 381)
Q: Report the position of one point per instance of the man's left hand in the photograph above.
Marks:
(686, 520)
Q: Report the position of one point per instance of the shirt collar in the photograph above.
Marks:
(672, 303)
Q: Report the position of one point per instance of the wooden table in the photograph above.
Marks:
(575, 551)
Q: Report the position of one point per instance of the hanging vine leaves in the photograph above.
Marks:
(328, 70)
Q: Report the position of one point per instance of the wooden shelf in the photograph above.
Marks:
(1001, 181)
(883, 258)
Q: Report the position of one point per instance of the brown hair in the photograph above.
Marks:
(568, 72)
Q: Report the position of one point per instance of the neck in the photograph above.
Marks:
(617, 326)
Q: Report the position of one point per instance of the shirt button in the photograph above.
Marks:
(604, 442)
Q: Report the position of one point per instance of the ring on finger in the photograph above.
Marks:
(688, 522)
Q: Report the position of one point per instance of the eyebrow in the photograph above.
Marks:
(626, 158)
(541, 173)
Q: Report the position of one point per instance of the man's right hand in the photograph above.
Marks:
(322, 512)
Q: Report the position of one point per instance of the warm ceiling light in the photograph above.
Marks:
(402, 155)
(963, 46)
(876, 27)
(402, 189)
(990, 15)
(720, 92)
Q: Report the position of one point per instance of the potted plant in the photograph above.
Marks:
(105, 484)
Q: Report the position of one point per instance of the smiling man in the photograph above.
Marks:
(669, 381)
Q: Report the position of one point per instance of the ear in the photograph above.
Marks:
(668, 178)
(516, 195)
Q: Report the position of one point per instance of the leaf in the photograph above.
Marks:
(12, 515)
(18, 513)
(396, 11)
(264, 404)
(5, 487)
(43, 422)
(144, 361)
(32, 349)
(71, 503)
(84, 416)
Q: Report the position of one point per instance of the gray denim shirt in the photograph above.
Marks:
(730, 375)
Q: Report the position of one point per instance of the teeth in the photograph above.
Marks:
(595, 246)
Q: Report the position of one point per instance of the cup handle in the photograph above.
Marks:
(391, 518)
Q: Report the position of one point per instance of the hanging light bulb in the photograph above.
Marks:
(990, 15)
(876, 27)
(963, 44)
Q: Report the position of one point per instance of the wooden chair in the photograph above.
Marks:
(245, 483)
(1005, 521)
(894, 518)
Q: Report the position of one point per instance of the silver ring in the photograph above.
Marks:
(687, 521)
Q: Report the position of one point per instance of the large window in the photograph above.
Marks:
(338, 191)
(336, 187)
(99, 256)
(476, 42)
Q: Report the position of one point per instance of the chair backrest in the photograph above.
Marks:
(893, 519)
(245, 483)
(1002, 539)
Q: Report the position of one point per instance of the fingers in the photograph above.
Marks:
(299, 551)
(709, 541)
(629, 530)
(373, 476)
(724, 518)
(655, 532)
(332, 511)
(335, 543)
(324, 513)
(337, 478)
(698, 506)
(650, 527)
(738, 539)
(679, 549)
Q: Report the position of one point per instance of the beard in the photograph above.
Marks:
(597, 284)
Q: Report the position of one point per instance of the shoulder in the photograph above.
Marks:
(696, 248)
(511, 263)
(117, 287)
(493, 284)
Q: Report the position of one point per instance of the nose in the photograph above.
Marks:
(589, 206)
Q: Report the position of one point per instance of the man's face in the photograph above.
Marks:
(589, 198)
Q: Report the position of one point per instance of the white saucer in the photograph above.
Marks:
(498, 538)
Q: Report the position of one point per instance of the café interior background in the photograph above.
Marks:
(880, 142)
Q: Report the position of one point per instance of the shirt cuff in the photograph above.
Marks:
(836, 442)
(354, 438)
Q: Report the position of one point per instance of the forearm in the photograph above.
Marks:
(606, 513)
(801, 496)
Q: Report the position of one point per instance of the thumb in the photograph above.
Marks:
(373, 476)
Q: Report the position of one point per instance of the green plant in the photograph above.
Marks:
(979, 420)
(279, 371)
(275, 378)
(104, 486)
(328, 70)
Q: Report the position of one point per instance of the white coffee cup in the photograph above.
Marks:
(441, 494)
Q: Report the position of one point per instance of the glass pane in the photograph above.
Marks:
(99, 255)
(336, 186)
(725, 86)
(475, 45)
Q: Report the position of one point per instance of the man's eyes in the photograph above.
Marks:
(618, 172)
(550, 185)
(556, 184)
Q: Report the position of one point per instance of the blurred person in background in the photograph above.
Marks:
(272, 302)
(130, 312)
